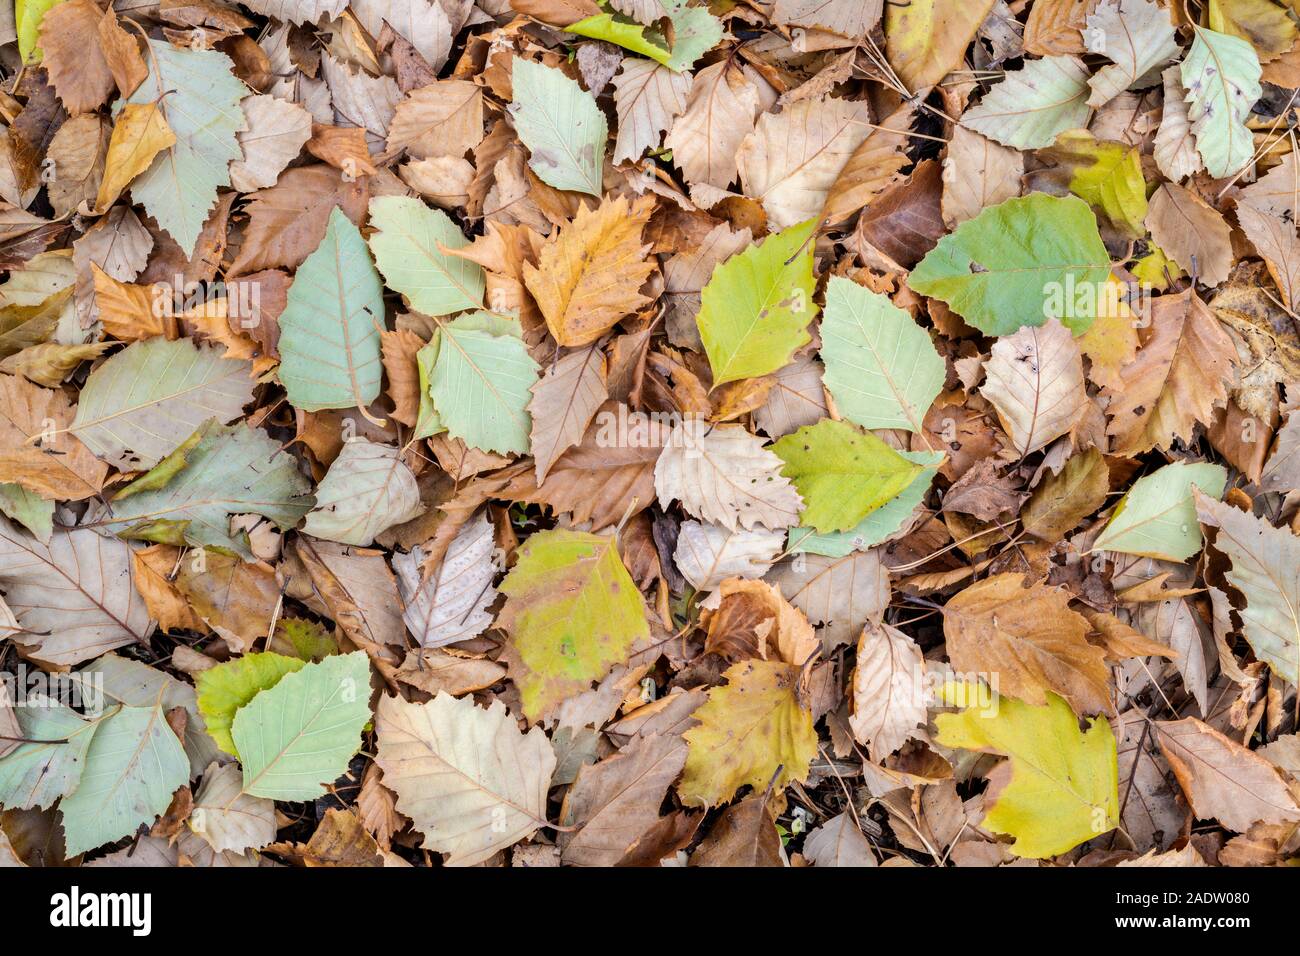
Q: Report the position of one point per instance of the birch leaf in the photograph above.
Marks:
(1221, 76)
(198, 96)
(1035, 381)
(467, 807)
(366, 491)
(330, 354)
(1157, 518)
(450, 605)
(561, 125)
(411, 247)
(1034, 104)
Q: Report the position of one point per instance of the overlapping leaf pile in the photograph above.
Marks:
(639, 432)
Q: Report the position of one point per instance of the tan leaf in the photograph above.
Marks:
(1030, 639)
(977, 173)
(275, 135)
(76, 155)
(648, 97)
(36, 450)
(1067, 497)
(565, 399)
(615, 802)
(432, 758)
(887, 691)
(1191, 233)
(839, 595)
(754, 620)
(444, 118)
(720, 112)
(132, 312)
(1179, 376)
(1222, 779)
(1034, 379)
(724, 475)
(1054, 26)
(792, 159)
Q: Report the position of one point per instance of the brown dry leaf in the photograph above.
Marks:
(399, 348)
(77, 68)
(1222, 780)
(154, 567)
(565, 399)
(444, 118)
(888, 705)
(1030, 639)
(589, 275)
(754, 620)
(237, 599)
(1180, 374)
(1067, 497)
(744, 836)
(1191, 233)
(614, 804)
(977, 173)
(720, 112)
(36, 450)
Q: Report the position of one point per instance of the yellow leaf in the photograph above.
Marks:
(590, 274)
(751, 731)
(141, 134)
(925, 39)
(1060, 787)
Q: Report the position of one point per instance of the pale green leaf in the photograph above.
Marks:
(561, 125)
(408, 247)
(148, 398)
(1157, 518)
(133, 766)
(29, 509)
(1032, 105)
(223, 689)
(231, 470)
(755, 309)
(198, 95)
(329, 330)
(881, 524)
(1016, 264)
(37, 774)
(1221, 75)
(481, 384)
(299, 735)
(367, 490)
(881, 367)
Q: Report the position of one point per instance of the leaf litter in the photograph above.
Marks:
(649, 433)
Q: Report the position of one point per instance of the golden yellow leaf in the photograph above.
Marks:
(589, 275)
(141, 134)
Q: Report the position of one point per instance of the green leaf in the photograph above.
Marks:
(427, 422)
(1063, 786)
(1034, 104)
(28, 15)
(199, 98)
(299, 735)
(880, 365)
(842, 474)
(133, 766)
(223, 689)
(572, 613)
(1105, 175)
(329, 330)
(148, 398)
(303, 639)
(230, 470)
(561, 125)
(1016, 264)
(29, 509)
(1221, 75)
(367, 490)
(882, 523)
(37, 774)
(695, 32)
(408, 247)
(755, 309)
(1157, 518)
(480, 383)
(627, 33)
